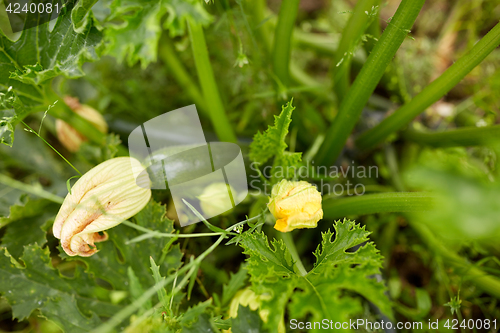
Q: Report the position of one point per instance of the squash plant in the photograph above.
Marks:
(334, 89)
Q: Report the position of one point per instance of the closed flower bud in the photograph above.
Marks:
(70, 137)
(295, 205)
(102, 198)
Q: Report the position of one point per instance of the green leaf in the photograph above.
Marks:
(203, 325)
(136, 38)
(347, 263)
(12, 111)
(40, 54)
(271, 273)
(37, 285)
(26, 208)
(7, 124)
(272, 141)
(28, 224)
(193, 313)
(278, 261)
(236, 282)
(247, 321)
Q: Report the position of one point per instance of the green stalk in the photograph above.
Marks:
(478, 277)
(351, 37)
(287, 238)
(282, 40)
(366, 81)
(208, 84)
(179, 72)
(460, 137)
(433, 92)
(377, 203)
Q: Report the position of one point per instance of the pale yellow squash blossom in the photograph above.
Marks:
(102, 198)
(247, 298)
(70, 137)
(295, 205)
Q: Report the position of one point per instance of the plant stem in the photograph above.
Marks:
(366, 81)
(282, 40)
(211, 95)
(460, 137)
(433, 92)
(481, 279)
(6, 180)
(351, 37)
(377, 203)
(287, 238)
(169, 57)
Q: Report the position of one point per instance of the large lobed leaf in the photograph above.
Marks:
(347, 263)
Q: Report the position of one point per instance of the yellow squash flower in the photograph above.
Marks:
(295, 205)
(102, 198)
